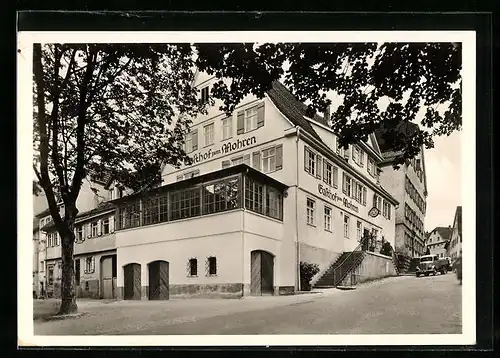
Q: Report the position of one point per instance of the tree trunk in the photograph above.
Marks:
(68, 294)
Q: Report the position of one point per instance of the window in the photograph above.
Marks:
(93, 229)
(328, 218)
(346, 226)
(339, 150)
(347, 185)
(377, 202)
(269, 160)
(245, 159)
(254, 196)
(191, 141)
(220, 196)
(204, 94)
(208, 134)
(386, 210)
(90, 264)
(79, 233)
(129, 216)
(355, 154)
(50, 275)
(250, 119)
(193, 267)
(358, 230)
(211, 266)
(311, 205)
(150, 211)
(185, 203)
(274, 204)
(105, 226)
(227, 128)
(375, 234)
(191, 174)
(41, 266)
(77, 272)
(328, 173)
(310, 162)
(372, 168)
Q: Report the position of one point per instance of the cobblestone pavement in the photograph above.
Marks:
(398, 305)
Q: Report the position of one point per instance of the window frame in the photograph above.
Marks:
(263, 159)
(310, 212)
(205, 94)
(327, 216)
(211, 135)
(347, 220)
(227, 124)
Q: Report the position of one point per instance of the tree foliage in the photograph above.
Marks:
(376, 85)
(106, 107)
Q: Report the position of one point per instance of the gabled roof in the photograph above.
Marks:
(444, 232)
(101, 208)
(292, 108)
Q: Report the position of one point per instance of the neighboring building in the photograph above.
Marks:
(455, 247)
(437, 241)
(95, 249)
(408, 185)
(259, 239)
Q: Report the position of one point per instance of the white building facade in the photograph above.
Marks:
(326, 196)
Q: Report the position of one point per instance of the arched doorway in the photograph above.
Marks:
(262, 273)
(158, 280)
(132, 281)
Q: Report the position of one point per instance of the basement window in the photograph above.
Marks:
(211, 266)
(193, 267)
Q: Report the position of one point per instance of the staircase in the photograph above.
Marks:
(345, 264)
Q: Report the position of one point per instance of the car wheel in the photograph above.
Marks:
(434, 272)
(418, 275)
(426, 274)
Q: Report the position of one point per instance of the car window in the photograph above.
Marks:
(425, 259)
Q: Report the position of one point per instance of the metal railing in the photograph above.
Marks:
(345, 272)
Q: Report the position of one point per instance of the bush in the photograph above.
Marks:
(307, 272)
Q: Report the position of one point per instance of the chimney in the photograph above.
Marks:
(327, 115)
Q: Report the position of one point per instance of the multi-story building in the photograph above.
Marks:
(269, 187)
(455, 246)
(95, 249)
(408, 185)
(437, 241)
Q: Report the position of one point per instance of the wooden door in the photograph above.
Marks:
(158, 280)
(132, 282)
(267, 273)
(255, 278)
(107, 277)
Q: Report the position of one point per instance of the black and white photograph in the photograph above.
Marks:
(273, 187)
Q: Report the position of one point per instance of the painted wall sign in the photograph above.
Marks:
(335, 197)
(224, 149)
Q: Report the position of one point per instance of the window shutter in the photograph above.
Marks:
(306, 154)
(240, 123)
(260, 115)
(279, 157)
(226, 164)
(111, 224)
(319, 164)
(364, 196)
(344, 184)
(93, 264)
(99, 227)
(194, 137)
(256, 160)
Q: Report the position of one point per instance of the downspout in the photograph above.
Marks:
(296, 209)
(242, 186)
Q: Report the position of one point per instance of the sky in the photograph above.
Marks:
(443, 169)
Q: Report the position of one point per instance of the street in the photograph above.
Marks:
(397, 305)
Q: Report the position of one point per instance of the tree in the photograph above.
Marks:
(106, 107)
(408, 77)
(386, 248)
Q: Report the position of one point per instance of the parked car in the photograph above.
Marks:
(431, 264)
(457, 267)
